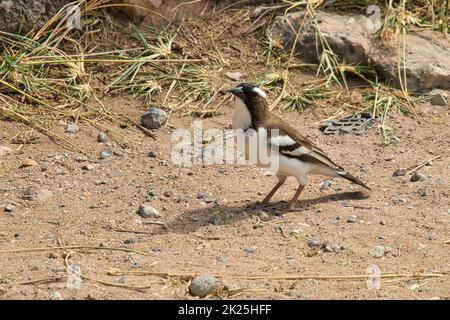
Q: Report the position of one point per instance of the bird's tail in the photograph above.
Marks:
(353, 179)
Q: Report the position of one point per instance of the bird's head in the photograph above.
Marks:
(252, 97)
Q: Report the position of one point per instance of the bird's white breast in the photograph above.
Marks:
(241, 116)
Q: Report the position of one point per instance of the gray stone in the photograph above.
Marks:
(417, 176)
(352, 40)
(131, 240)
(88, 167)
(352, 219)
(235, 76)
(325, 185)
(263, 216)
(37, 195)
(398, 200)
(102, 137)
(72, 128)
(201, 286)
(55, 296)
(106, 153)
(152, 154)
(399, 172)
(438, 97)
(331, 247)
(249, 249)
(377, 251)
(154, 118)
(27, 15)
(4, 150)
(168, 193)
(146, 211)
(314, 243)
(215, 219)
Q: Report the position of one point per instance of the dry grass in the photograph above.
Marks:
(56, 73)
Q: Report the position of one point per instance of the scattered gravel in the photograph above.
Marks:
(154, 118)
(377, 252)
(102, 137)
(72, 128)
(146, 211)
(417, 176)
(201, 286)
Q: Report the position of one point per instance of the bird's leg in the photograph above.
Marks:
(272, 192)
(296, 195)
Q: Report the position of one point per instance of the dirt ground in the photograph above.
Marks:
(210, 217)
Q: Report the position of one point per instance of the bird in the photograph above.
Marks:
(296, 155)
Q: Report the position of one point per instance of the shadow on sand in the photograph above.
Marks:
(192, 220)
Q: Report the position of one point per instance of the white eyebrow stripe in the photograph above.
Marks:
(260, 92)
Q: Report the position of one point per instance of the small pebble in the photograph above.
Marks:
(235, 76)
(146, 211)
(325, 185)
(9, 208)
(399, 173)
(249, 249)
(313, 243)
(72, 128)
(417, 176)
(377, 251)
(382, 222)
(106, 153)
(102, 137)
(152, 154)
(55, 296)
(131, 240)
(263, 216)
(202, 286)
(167, 194)
(28, 163)
(88, 167)
(154, 118)
(215, 219)
(352, 219)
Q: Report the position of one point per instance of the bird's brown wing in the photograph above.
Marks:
(291, 143)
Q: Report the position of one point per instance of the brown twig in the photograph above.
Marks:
(417, 167)
(71, 248)
(137, 125)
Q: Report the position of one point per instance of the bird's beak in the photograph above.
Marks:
(237, 91)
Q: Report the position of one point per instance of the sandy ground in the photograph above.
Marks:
(210, 216)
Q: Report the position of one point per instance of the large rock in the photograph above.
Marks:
(159, 11)
(428, 52)
(25, 15)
